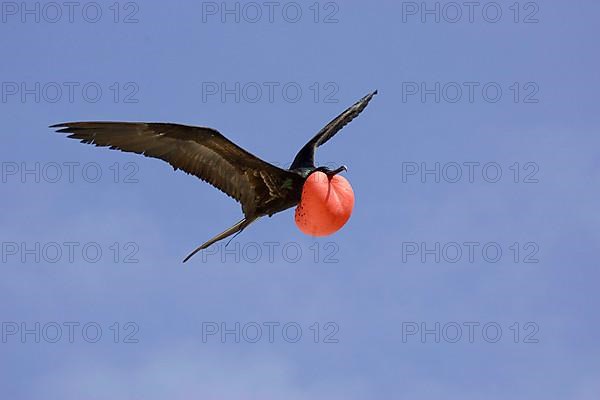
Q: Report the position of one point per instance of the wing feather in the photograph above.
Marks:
(199, 151)
(306, 155)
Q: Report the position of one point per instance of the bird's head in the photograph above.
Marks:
(331, 172)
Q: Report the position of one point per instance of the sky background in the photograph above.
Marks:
(371, 290)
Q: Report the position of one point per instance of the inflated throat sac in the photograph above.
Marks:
(326, 204)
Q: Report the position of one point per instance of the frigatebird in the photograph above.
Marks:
(260, 187)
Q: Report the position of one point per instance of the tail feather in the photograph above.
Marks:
(236, 228)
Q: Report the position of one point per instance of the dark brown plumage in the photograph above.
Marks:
(260, 187)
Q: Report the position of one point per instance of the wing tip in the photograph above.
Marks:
(60, 125)
(65, 127)
(370, 95)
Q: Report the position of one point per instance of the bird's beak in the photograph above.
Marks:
(337, 171)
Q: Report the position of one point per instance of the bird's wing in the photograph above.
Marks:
(306, 155)
(202, 152)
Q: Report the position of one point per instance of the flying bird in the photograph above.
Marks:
(260, 187)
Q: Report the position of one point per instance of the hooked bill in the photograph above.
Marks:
(326, 204)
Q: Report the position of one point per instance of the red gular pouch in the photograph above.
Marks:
(326, 204)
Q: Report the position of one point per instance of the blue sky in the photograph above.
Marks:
(515, 97)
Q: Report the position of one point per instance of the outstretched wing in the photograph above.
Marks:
(306, 155)
(202, 152)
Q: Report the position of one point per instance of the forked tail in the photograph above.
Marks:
(234, 229)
